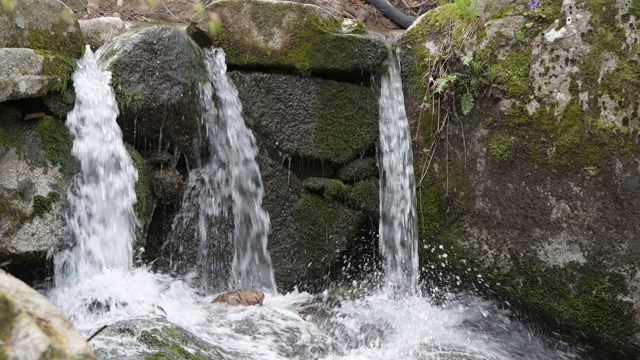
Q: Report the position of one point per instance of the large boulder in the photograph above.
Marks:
(240, 297)
(325, 120)
(33, 328)
(535, 189)
(36, 168)
(38, 52)
(289, 36)
(98, 31)
(156, 74)
(43, 25)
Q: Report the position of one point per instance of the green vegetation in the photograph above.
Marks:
(56, 141)
(43, 205)
(143, 193)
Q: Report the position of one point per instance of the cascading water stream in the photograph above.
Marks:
(398, 222)
(97, 286)
(230, 173)
(101, 223)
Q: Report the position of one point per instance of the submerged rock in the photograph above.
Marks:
(535, 191)
(151, 339)
(33, 328)
(156, 74)
(240, 297)
(294, 37)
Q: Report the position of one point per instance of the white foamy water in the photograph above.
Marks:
(298, 325)
(101, 222)
(398, 221)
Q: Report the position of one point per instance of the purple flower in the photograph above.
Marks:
(534, 4)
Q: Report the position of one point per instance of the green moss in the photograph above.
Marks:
(310, 41)
(43, 205)
(634, 8)
(364, 195)
(583, 302)
(65, 42)
(8, 116)
(515, 71)
(358, 169)
(329, 188)
(57, 65)
(56, 140)
(143, 193)
(324, 227)
(500, 147)
(170, 342)
(345, 124)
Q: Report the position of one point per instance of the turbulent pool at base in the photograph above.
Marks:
(365, 324)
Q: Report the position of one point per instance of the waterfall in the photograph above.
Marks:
(398, 221)
(230, 173)
(101, 223)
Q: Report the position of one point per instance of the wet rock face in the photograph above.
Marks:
(313, 118)
(33, 328)
(240, 297)
(294, 37)
(537, 185)
(156, 74)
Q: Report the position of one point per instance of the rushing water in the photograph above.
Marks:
(230, 173)
(357, 326)
(101, 223)
(398, 222)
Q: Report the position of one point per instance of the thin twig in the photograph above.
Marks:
(96, 332)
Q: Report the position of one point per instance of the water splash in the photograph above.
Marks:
(231, 173)
(398, 221)
(101, 223)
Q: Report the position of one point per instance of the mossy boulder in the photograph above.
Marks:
(533, 194)
(156, 74)
(152, 339)
(36, 168)
(314, 118)
(33, 328)
(41, 25)
(27, 73)
(293, 37)
(358, 169)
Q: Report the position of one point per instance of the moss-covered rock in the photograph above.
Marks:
(33, 328)
(36, 168)
(156, 73)
(535, 189)
(152, 340)
(365, 196)
(293, 37)
(41, 25)
(358, 169)
(314, 118)
(143, 195)
(329, 188)
(26, 73)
